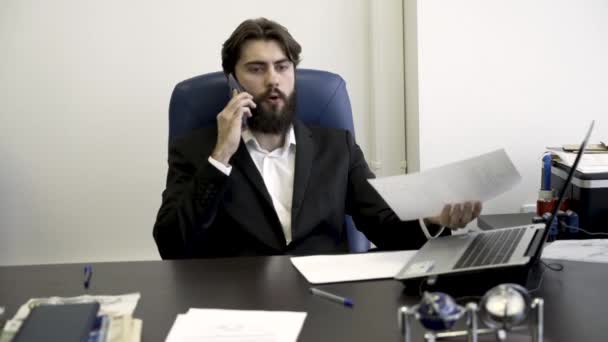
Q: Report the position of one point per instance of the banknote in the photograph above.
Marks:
(116, 329)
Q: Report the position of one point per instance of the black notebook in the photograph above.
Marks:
(65, 323)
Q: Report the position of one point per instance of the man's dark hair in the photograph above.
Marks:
(258, 29)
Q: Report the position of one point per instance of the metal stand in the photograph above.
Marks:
(408, 314)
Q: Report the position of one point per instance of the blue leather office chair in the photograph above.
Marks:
(321, 99)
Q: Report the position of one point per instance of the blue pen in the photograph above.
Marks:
(332, 297)
(546, 175)
(88, 273)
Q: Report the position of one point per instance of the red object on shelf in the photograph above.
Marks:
(548, 206)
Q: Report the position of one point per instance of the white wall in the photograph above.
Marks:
(515, 74)
(410, 46)
(84, 92)
(387, 106)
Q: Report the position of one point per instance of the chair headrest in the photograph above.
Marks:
(321, 99)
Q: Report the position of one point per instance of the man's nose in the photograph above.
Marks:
(272, 78)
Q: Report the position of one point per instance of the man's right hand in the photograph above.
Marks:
(229, 126)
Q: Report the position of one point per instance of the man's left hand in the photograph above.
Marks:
(457, 215)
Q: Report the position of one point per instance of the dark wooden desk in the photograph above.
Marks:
(576, 307)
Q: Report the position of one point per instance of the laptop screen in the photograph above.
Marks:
(562, 191)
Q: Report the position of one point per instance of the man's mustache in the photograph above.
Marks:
(266, 95)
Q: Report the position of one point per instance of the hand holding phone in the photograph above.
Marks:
(231, 120)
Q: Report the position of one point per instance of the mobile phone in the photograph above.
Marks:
(234, 84)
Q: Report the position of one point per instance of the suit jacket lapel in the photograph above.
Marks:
(305, 151)
(274, 237)
(243, 161)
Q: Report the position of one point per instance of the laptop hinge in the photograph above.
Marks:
(533, 246)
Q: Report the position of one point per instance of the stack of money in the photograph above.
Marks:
(124, 329)
(115, 322)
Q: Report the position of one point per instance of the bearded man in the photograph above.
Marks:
(260, 182)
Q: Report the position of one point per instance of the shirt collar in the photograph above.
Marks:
(250, 140)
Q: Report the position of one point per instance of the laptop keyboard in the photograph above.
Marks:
(491, 248)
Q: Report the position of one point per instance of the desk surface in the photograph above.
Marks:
(576, 307)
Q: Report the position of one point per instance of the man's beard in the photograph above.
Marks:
(272, 120)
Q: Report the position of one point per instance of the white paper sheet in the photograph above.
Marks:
(425, 193)
(322, 269)
(590, 162)
(595, 250)
(217, 325)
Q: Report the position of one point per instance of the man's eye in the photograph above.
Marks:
(255, 70)
(282, 67)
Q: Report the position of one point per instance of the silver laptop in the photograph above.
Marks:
(485, 250)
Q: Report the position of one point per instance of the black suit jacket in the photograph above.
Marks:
(205, 213)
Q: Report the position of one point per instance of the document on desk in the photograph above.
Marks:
(323, 269)
(424, 194)
(594, 250)
(217, 325)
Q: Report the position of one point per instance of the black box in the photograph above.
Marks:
(588, 198)
(61, 323)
